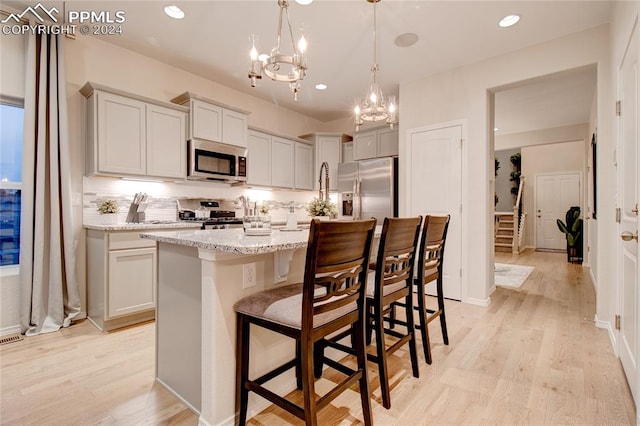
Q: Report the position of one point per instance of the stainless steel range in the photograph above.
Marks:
(212, 214)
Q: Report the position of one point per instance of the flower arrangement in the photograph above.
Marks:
(264, 209)
(318, 207)
(108, 207)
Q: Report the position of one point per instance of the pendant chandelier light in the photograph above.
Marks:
(277, 66)
(374, 107)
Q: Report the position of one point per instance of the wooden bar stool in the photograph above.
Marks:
(331, 297)
(390, 281)
(430, 261)
(429, 266)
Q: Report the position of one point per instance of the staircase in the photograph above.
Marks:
(504, 232)
(509, 226)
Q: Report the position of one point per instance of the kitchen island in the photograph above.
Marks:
(201, 274)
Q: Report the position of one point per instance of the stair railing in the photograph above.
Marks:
(518, 221)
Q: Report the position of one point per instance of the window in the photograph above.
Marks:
(11, 120)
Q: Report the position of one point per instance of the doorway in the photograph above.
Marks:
(555, 193)
(627, 203)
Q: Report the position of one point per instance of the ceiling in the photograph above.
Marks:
(213, 41)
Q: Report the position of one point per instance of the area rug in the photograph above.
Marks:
(512, 276)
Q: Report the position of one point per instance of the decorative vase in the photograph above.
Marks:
(109, 218)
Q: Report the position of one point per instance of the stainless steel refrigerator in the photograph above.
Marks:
(368, 188)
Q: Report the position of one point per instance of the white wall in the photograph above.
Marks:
(542, 136)
(12, 65)
(552, 158)
(463, 94)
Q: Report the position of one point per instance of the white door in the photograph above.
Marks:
(434, 186)
(628, 203)
(554, 195)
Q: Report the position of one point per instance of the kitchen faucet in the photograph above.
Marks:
(324, 195)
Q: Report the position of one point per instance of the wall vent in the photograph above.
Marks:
(11, 338)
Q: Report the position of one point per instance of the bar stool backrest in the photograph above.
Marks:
(432, 241)
(336, 273)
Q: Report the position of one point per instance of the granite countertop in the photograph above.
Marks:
(151, 225)
(235, 240)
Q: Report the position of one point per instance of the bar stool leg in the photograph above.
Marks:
(411, 327)
(443, 320)
(361, 355)
(424, 328)
(308, 387)
(382, 358)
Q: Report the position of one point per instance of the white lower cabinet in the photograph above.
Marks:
(122, 276)
(132, 277)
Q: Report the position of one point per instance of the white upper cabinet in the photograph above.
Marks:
(258, 158)
(167, 154)
(279, 162)
(365, 145)
(328, 147)
(234, 128)
(132, 135)
(121, 139)
(215, 122)
(374, 143)
(303, 178)
(205, 121)
(282, 162)
(387, 142)
(347, 152)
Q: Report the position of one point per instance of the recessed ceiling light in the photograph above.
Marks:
(174, 12)
(406, 40)
(304, 2)
(509, 20)
(321, 86)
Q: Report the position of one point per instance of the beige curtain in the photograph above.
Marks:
(50, 296)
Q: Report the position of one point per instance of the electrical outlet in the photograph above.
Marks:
(248, 275)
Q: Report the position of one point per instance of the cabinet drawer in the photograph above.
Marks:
(128, 240)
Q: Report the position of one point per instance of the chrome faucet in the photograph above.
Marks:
(324, 195)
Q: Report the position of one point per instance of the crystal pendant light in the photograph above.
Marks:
(374, 107)
(277, 66)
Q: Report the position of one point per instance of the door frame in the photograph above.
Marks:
(464, 255)
(619, 225)
(535, 202)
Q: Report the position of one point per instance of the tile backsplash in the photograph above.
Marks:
(162, 198)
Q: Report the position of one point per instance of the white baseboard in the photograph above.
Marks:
(612, 336)
(174, 393)
(5, 331)
(478, 302)
(492, 289)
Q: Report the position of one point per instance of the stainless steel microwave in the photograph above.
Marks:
(216, 161)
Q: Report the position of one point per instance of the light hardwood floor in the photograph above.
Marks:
(533, 356)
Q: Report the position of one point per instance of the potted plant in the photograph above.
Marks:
(108, 211)
(322, 208)
(573, 231)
